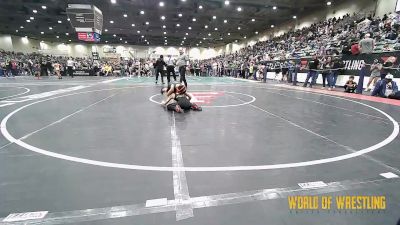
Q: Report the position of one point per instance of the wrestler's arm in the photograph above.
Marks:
(189, 96)
(171, 90)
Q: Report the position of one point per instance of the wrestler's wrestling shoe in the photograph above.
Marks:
(196, 107)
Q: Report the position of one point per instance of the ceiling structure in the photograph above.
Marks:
(204, 23)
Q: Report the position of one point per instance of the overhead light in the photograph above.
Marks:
(113, 1)
(44, 7)
(67, 34)
(178, 25)
(165, 32)
(244, 37)
(186, 34)
(42, 32)
(163, 17)
(120, 39)
(105, 30)
(272, 26)
(239, 28)
(294, 17)
(133, 25)
(194, 19)
(274, 8)
(142, 12)
(229, 34)
(69, 40)
(68, 19)
(214, 17)
(114, 35)
(184, 38)
(189, 28)
(148, 43)
(200, 7)
(209, 34)
(256, 32)
(34, 11)
(138, 31)
(147, 23)
(57, 37)
(145, 40)
(220, 38)
(22, 27)
(165, 41)
(106, 41)
(206, 26)
(204, 38)
(164, 26)
(125, 15)
(142, 36)
(161, 4)
(111, 21)
(252, 20)
(227, 2)
(200, 42)
(183, 0)
(126, 42)
(180, 14)
(225, 21)
(31, 18)
(181, 44)
(328, 3)
(236, 40)
(216, 28)
(239, 9)
(197, 44)
(28, 21)
(165, 37)
(59, 21)
(50, 28)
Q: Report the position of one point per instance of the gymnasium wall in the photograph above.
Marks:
(28, 45)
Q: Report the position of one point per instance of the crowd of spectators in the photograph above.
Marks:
(324, 43)
(333, 37)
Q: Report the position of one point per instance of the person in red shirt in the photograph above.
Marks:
(355, 50)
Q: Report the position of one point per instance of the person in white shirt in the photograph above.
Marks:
(170, 68)
(70, 67)
(181, 63)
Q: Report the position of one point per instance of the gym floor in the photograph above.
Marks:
(103, 151)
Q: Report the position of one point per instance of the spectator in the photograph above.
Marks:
(367, 44)
(386, 87)
(312, 72)
(350, 85)
(376, 68)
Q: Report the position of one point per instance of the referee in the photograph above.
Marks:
(181, 63)
(170, 69)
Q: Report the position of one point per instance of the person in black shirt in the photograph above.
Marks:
(312, 73)
(159, 68)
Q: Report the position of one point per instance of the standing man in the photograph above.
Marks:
(170, 69)
(159, 68)
(181, 63)
(366, 46)
(70, 66)
(312, 73)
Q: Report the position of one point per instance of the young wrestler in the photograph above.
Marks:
(181, 97)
